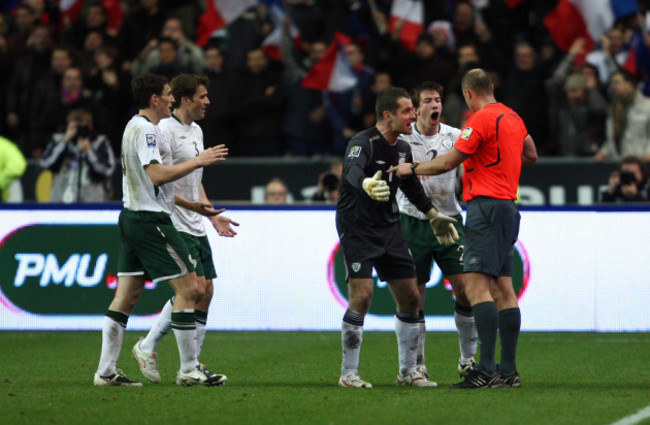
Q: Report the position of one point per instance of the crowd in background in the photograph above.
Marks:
(575, 103)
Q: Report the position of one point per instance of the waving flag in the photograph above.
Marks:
(218, 14)
(333, 72)
(571, 19)
(412, 13)
(271, 43)
(70, 9)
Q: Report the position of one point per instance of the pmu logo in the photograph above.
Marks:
(440, 299)
(66, 269)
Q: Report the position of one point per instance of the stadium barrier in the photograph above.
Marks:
(576, 269)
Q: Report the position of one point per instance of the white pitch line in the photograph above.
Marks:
(635, 418)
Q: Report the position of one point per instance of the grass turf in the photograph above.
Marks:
(290, 378)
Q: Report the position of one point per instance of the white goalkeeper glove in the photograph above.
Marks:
(443, 227)
(376, 188)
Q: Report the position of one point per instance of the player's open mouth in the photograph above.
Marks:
(435, 116)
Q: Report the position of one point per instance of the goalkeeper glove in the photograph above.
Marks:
(443, 227)
(376, 188)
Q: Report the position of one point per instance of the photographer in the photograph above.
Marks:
(629, 184)
(82, 162)
(329, 185)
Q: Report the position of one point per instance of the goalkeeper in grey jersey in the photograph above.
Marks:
(191, 205)
(431, 138)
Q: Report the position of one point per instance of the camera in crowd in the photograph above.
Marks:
(83, 131)
(627, 177)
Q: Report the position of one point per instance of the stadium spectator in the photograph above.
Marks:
(169, 64)
(305, 123)
(429, 138)
(81, 160)
(628, 120)
(50, 109)
(328, 189)
(276, 192)
(629, 183)
(425, 64)
(93, 19)
(490, 189)
(577, 110)
(611, 55)
(220, 123)
(380, 81)
(367, 222)
(260, 100)
(18, 36)
(455, 108)
(140, 31)
(28, 70)
(12, 167)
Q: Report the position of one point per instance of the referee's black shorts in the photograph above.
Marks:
(492, 228)
(383, 248)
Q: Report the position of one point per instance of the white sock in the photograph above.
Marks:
(407, 330)
(422, 335)
(112, 337)
(351, 337)
(467, 336)
(161, 328)
(200, 337)
(185, 332)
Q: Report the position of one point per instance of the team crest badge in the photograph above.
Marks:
(467, 131)
(151, 140)
(355, 151)
(447, 143)
(356, 267)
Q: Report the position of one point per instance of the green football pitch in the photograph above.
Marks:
(290, 378)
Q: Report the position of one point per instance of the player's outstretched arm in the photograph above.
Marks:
(161, 174)
(201, 207)
(223, 225)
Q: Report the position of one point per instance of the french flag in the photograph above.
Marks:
(70, 9)
(589, 19)
(332, 73)
(218, 14)
(412, 13)
(271, 43)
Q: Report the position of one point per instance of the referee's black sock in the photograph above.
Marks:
(509, 326)
(485, 315)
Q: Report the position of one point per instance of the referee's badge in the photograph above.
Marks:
(467, 131)
(355, 151)
(356, 267)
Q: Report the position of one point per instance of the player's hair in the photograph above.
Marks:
(186, 85)
(478, 81)
(425, 86)
(387, 100)
(146, 85)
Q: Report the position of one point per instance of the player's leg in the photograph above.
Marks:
(359, 295)
(509, 328)
(206, 273)
(128, 292)
(465, 325)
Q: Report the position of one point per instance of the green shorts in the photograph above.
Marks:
(152, 247)
(426, 249)
(199, 248)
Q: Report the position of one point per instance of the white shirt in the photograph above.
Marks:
(441, 189)
(186, 143)
(143, 143)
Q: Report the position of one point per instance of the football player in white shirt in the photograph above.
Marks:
(151, 247)
(431, 138)
(186, 141)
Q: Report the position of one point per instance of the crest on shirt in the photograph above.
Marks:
(151, 140)
(356, 267)
(467, 131)
(447, 143)
(355, 151)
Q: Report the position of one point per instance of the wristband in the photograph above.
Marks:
(413, 167)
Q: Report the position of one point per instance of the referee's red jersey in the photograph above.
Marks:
(494, 137)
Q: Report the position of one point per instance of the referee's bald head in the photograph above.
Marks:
(478, 81)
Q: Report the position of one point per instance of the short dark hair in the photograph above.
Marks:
(478, 81)
(387, 100)
(425, 86)
(186, 85)
(631, 159)
(146, 85)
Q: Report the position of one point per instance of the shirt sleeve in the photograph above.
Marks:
(147, 145)
(354, 162)
(470, 137)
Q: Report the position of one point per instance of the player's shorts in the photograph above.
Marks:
(492, 230)
(383, 248)
(426, 249)
(152, 247)
(199, 248)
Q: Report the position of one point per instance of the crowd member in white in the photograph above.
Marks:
(431, 138)
(150, 244)
(186, 140)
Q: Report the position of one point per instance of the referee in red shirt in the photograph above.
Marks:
(493, 145)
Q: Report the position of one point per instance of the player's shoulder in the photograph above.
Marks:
(449, 130)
